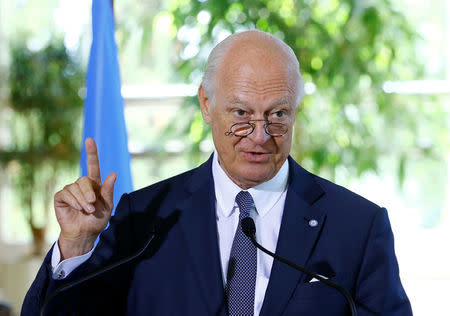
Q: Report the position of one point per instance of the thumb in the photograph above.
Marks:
(107, 189)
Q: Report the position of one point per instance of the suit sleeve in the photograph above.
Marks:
(109, 248)
(379, 290)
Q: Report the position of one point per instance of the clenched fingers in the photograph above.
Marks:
(77, 192)
(64, 196)
(89, 188)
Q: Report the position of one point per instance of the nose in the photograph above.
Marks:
(259, 135)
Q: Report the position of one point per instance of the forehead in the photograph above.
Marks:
(247, 82)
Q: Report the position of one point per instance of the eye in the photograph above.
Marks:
(279, 114)
(240, 112)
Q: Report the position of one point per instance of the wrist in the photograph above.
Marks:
(70, 247)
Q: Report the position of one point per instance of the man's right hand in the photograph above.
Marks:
(84, 207)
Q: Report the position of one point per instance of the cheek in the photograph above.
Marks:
(284, 144)
(223, 143)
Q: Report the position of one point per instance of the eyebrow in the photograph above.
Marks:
(236, 100)
(282, 101)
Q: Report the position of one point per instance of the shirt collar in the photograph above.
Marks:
(265, 195)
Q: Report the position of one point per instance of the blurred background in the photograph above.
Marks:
(375, 119)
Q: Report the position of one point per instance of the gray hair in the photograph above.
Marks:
(221, 49)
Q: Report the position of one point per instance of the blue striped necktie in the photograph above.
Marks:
(241, 274)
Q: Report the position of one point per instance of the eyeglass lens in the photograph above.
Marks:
(276, 129)
(244, 129)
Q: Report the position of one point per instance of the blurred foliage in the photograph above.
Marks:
(347, 50)
(44, 89)
(143, 41)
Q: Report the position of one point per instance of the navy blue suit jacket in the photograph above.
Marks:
(181, 274)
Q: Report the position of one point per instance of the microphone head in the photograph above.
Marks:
(248, 227)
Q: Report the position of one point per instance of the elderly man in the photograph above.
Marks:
(200, 262)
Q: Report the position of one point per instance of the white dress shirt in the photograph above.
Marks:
(65, 267)
(269, 198)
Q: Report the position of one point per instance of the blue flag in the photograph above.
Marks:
(103, 108)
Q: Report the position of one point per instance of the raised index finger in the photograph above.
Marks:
(93, 166)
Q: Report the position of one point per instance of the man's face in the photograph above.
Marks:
(251, 86)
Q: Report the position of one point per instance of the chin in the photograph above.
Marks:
(255, 177)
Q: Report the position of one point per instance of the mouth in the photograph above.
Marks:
(254, 156)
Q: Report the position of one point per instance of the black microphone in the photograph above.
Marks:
(112, 266)
(249, 229)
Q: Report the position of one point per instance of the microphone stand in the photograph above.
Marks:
(94, 274)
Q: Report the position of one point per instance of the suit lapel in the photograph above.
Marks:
(298, 235)
(198, 223)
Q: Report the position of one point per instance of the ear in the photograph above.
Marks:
(205, 105)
